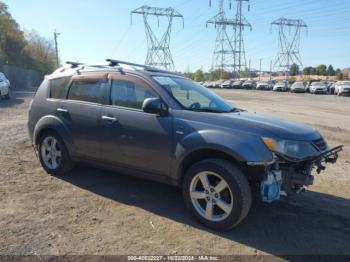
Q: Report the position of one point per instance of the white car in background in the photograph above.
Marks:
(298, 87)
(281, 86)
(342, 88)
(265, 85)
(4, 87)
(318, 88)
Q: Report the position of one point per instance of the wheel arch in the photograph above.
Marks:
(53, 123)
(203, 154)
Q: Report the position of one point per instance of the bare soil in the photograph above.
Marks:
(99, 212)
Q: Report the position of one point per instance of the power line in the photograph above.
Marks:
(56, 34)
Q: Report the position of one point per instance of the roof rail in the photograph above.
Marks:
(113, 62)
(74, 64)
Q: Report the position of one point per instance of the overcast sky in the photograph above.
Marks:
(92, 30)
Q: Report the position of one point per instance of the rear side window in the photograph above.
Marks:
(58, 86)
(86, 90)
(129, 94)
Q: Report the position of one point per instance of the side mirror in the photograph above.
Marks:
(153, 106)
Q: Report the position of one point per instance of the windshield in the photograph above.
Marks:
(192, 96)
(298, 84)
(318, 84)
(345, 83)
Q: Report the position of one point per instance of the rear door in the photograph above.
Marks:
(133, 138)
(81, 112)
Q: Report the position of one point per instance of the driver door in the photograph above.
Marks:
(133, 138)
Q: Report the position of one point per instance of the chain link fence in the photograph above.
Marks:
(22, 79)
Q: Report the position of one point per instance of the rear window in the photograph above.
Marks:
(86, 90)
(58, 86)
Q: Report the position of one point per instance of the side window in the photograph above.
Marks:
(129, 94)
(57, 87)
(86, 90)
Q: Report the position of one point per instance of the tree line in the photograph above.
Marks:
(23, 49)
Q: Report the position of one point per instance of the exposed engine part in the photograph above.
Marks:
(271, 186)
(296, 177)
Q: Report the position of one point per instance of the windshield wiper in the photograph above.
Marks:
(208, 110)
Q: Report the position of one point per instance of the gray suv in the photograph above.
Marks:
(158, 125)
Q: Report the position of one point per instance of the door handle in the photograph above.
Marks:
(109, 119)
(62, 110)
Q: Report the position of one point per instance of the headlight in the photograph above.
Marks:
(289, 148)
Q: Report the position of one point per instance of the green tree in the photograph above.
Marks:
(330, 71)
(198, 76)
(294, 70)
(307, 70)
(339, 74)
(321, 70)
(31, 51)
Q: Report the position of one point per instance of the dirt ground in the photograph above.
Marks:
(97, 212)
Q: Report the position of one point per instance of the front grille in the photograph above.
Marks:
(320, 144)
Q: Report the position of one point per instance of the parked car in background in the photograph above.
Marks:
(342, 88)
(265, 85)
(227, 84)
(249, 84)
(298, 87)
(281, 86)
(210, 84)
(318, 88)
(309, 83)
(237, 84)
(4, 86)
(217, 84)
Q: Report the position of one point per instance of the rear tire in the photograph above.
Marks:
(53, 154)
(226, 198)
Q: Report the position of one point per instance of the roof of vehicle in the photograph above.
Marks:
(115, 66)
(318, 83)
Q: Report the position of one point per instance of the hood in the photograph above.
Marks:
(255, 124)
(272, 126)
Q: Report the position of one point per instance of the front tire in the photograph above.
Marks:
(217, 193)
(53, 154)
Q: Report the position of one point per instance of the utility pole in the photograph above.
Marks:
(260, 69)
(158, 50)
(289, 45)
(249, 72)
(56, 34)
(270, 70)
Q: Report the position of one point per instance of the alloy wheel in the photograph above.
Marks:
(51, 152)
(211, 196)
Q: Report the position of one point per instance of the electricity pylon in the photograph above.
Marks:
(229, 54)
(158, 51)
(288, 45)
(241, 23)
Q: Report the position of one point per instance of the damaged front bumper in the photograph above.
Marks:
(286, 175)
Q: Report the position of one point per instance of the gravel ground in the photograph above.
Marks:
(98, 212)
